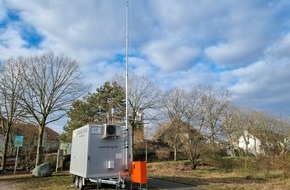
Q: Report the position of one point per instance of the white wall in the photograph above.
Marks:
(254, 144)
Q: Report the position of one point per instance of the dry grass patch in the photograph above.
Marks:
(221, 179)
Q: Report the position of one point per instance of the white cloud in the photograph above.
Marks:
(170, 56)
(199, 74)
(281, 48)
(141, 67)
(12, 45)
(174, 43)
(263, 84)
(228, 53)
(76, 25)
(2, 10)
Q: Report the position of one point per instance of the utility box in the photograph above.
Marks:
(100, 151)
(139, 172)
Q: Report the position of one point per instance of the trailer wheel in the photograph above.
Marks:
(76, 181)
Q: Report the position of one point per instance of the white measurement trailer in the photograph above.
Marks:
(100, 154)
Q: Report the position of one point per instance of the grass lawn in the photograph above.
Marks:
(210, 178)
(58, 181)
(204, 177)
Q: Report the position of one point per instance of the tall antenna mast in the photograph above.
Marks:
(127, 50)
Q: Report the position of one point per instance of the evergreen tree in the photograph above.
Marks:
(106, 105)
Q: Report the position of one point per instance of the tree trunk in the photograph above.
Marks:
(247, 145)
(255, 146)
(6, 144)
(194, 165)
(133, 142)
(212, 139)
(39, 153)
(175, 146)
(232, 146)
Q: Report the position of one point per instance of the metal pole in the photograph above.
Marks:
(146, 154)
(57, 160)
(127, 50)
(15, 166)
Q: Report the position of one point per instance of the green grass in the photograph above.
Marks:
(58, 181)
(231, 178)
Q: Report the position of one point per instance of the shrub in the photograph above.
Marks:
(51, 158)
(163, 154)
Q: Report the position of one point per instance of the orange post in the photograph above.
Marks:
(139, 173)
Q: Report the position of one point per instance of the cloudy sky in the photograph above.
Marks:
(241, 45)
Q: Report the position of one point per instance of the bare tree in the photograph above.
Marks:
(50, 85)
(231, 125)
(214, 103)
(205, 107)
(175, 106)
(247, 127)
(194, 143)
(272, 132)
(201, 109)
(10, 93)
(283, 135)
(143, 98)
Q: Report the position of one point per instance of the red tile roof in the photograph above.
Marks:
(31, 131)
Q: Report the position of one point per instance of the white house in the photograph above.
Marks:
(250, 143)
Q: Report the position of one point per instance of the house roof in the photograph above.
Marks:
(170, 126)
(31, 131)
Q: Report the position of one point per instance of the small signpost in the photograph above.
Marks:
(18, 142)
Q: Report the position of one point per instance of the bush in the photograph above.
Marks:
(163, 154)
(170, 165)
(51, 158)
(26, 165)
(268, 164)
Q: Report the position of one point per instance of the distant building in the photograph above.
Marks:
(250, 144)
(30, 132)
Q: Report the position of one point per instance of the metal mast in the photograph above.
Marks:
(127, 50)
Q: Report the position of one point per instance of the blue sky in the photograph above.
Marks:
(241, 45)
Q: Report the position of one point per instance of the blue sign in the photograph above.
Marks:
(18, 142)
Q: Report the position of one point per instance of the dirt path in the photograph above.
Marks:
(4, 185)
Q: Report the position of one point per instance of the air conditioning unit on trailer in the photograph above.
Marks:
(101, 154)
(111, 131)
